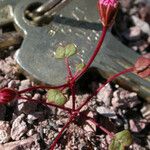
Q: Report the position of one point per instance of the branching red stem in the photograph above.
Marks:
(108, 81)
(42, 87)
(71, 83)
(61, 132)
(43, 102)
(100, 127)
(68, 68)
(73, 97)
(71, 80)
(97, 49)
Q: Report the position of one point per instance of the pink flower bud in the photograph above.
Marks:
(107, 11)
(7, 95)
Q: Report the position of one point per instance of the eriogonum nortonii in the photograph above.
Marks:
(107, 11)
(142, 66)
(7, 95)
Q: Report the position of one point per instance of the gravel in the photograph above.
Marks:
(32, 126)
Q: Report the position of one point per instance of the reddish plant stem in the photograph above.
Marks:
(109, 80)
(68, 68)
(61, 89)
(97, 49)
(71, 83)
(100, 127)
(104, 30)
(73, 96)
(43, 102)
(74, 79)
(42, 87)
(61, 132)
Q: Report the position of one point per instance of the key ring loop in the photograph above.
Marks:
(42, 15)
(46, 7)
(19, 15)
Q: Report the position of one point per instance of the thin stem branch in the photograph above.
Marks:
(71, 83)
(68, 68)
(73, 96)
(61, 132)
(97, 49)
(100, 127)
(109, 80)
(42, 87)
(43, 102)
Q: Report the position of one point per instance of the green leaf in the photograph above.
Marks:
(70, 50)
(80, 66)
(121, 140)
(60, 52)
(116, 145)
(56, 97)
(125, 137)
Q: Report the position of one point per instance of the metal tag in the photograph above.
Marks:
(78, 23)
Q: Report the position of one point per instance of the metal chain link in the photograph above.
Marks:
(47, 6)
(43, 13)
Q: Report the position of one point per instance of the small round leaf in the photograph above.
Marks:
(60, 53)
(80, 66)
(70, 50)
(56, 97)
(121, 140)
